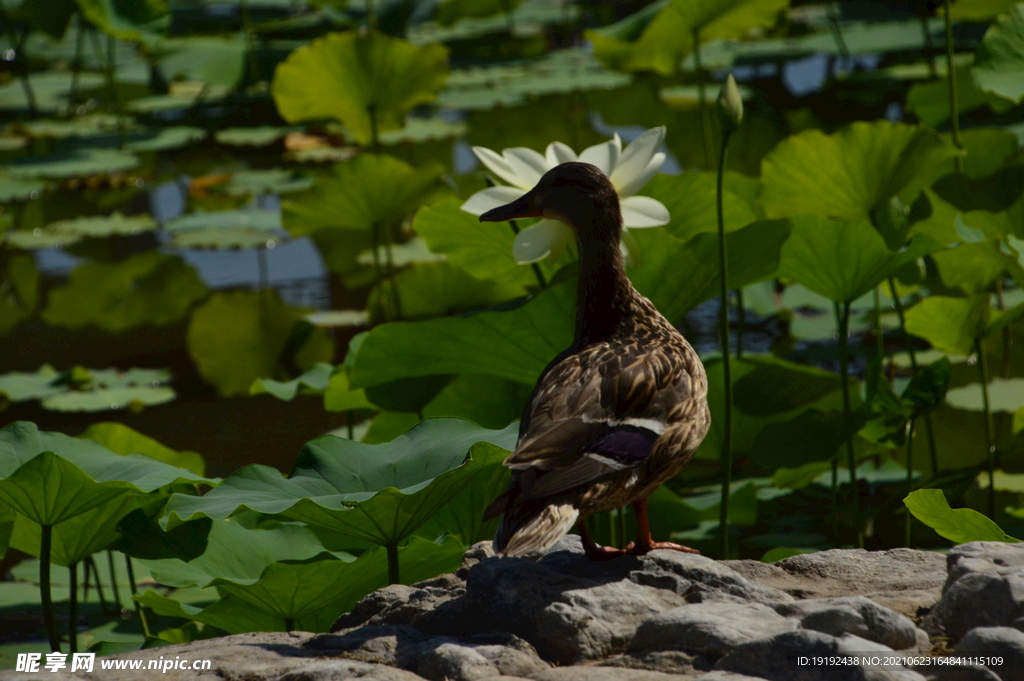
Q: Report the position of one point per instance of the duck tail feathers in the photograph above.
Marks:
(532, 528)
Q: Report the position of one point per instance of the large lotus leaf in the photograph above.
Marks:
(231, 552)
(21, 442)
(310, 595)
(960, 525)
(1004, 394)
(124, 440)
(338, 396)
(950, 324)
(377, 493)
(940, 223)
(77, 538)
(110, 399)
(999, 62)
(930, 100)
(851, 173)
(488, 400)
(104, 226)
(312, 382)
(972, 267)
(19, 291)
(366, 190)
(463, 515)
(482, 249)
(678, 276)
(80, 163)
(132, 21)
(435, 289)
(515, 344)
(367, 80)
(814, 435)
(775, 385)
(843, 259)
(236, 337)
(670, 35)
(216, 61)
(691, 200)
(145, 288)
(979, 10)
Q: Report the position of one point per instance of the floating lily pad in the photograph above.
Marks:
(311, 382)
(216, 62)
(134, 22)
(338, 318)
(110, 399)
(13, 189)
(51, 90)
(412, 251)
(223, 238)
(418, 130)
(258, 136)
(1004, 394)
(242, 218)
(20, 386)
(28, 240)
(168, 138)
(90, 125)
(115, 223)
(274, 180)
(76, 164)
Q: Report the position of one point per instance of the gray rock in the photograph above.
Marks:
(903, 580)
(778, 659)
(855, 615)
(988, 557)
(454, 662)
(976, 599)
(714, 628)
(668, 661)
(586, 673)
(726, 676)
(999, 642)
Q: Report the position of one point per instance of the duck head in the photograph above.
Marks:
(578, 194)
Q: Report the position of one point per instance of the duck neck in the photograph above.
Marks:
(605, 295)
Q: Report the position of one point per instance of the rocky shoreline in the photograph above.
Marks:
(838, 614)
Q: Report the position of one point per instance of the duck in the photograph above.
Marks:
(618, 412)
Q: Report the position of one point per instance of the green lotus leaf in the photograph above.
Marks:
(51, 90)
(19, 291)
(123, 440)
(368, 81)
(166, 139)
(483, 250)
(273, 180)
(145, 288)
(691, 201)
(669, 37)
(230, 552)
(1004, 394)
(21, 442)
(852, 173)
(224, 238)
(77, 538)
(7, 519)
(236, 337)
(677, 276)
(999, 61)
(20, 386)
(514, 344)
(775, 385)
(109, 399)
(100, 227)
(450, 11)
(338, 396)
(419, 130)
(434, 289)
(376, 493)
(930, 100)
(241, 218)
(115, 378)
(399, 255)
(950, 324)
(843, 259)
(940, 223)
(79, 163)
(527, 18)
(366, 190)
(488, 400)
(133, 22)
(257, 136)
(49, 16)
(89, 125)
(313, 382)
(13, 189)
(972, 267)
(960, 525)
(28, 240)
(310, 595)
(979, 10)
(1001, 319)
(216, 61)
(814, 435)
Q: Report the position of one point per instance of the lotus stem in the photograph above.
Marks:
(621, 516)
(378, 269)
(138, 606)
(92, 568)
(742, 322)
(1007, 338)
(843, 312)
(113, 579)
(289, 623)
(351, 423)
(835, 500)
(73, 608)
(705, 115)
(723, 319)
(933, 451)
(929, 48)
(837, 32)
(18, 46)
(954, 110)
(392, 548)
(45, 546)
(76, 65)
(983, 375)
(908, 518)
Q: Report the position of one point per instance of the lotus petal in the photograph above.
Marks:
(643, 211)
(604, 155)
(637, 156)
(492, 197)
(499, 166)
(632, 185)
(558, 153)
(527, 164)
(537, 241)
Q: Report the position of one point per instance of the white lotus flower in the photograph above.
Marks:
(629, 169)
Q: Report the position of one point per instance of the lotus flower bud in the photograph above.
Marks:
(730, 104)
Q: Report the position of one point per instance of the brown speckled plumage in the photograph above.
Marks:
(629, 378)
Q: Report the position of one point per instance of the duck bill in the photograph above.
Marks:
(522, 207)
